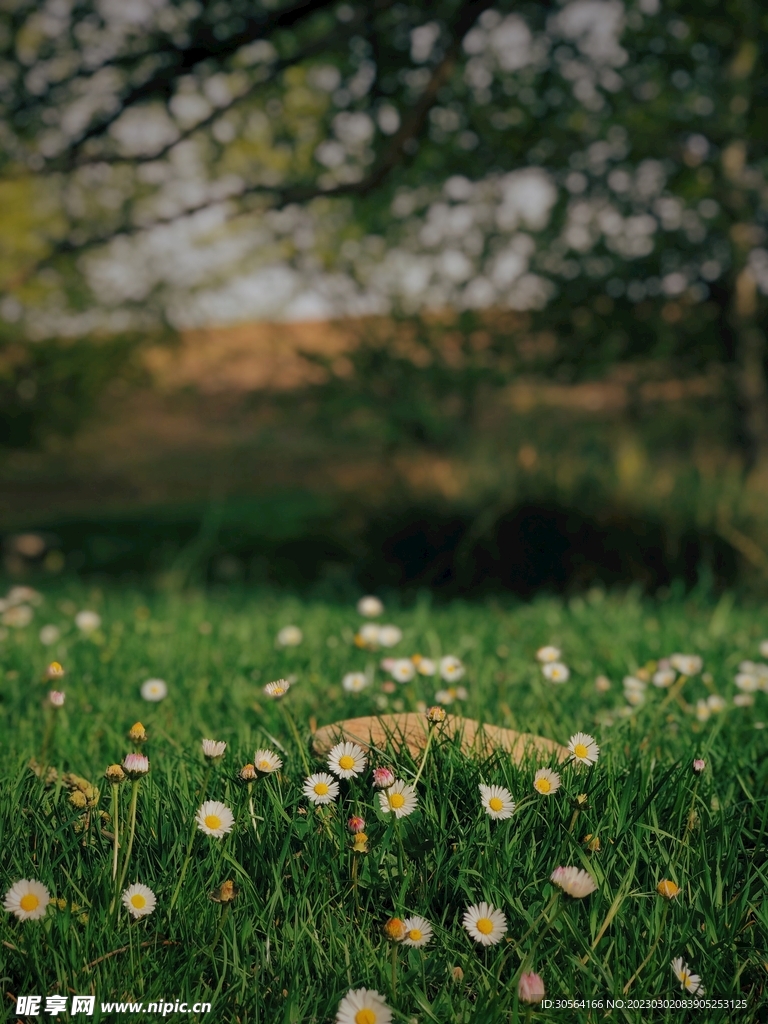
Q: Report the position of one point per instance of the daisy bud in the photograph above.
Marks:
(699, 766)
(137, 733)
(56, 698)
(530, 988)
(356, 824)
(457, 974)
(581, 802)
(54, 671)
(115, 774)
(667, 889)
(360, 844)
(592, 843)
(395, 929)
(135, 765)
(383, 778)
(247, 773)
(435, 714)
(78, 799)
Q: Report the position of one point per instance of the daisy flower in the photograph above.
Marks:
(690, 983)
(400, 799)
(290, 636)
(702, 710)
(346, 760)
(363, 1006)
(56, 698)
(426, 667)
(747, 682)
(546, 782)
(574, 881)
(215, 819)
(686, 664)
(139, 900)
(699, 765)
(49, 635)
(87, 621)
(743, 700)
(602, 684)
(154, 690)
(663, 678)
(369, 607)
(450, 695)
(583, 748)
(321, 788)
(214, 749)
(27, 899)
(277, 689)
(368, 635)
(497, 801)
(354, 682)
(403, 670)
(394, 929)
(556, 672)
(135, 765)
(530, 988)
(418, 932)
(485, 924)
(383, 778)
(548, 653)
(389, 636)
(266, 761)
(451, 668)
(715, 702)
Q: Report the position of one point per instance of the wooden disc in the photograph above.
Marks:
(411, 729)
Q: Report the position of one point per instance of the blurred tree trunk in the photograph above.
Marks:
(749, 369)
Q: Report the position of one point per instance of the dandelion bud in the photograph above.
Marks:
(435, 714)
(135, 765)
(699, 766)
(395, 929)
(247, 773)
(530, 988)
(78, 799)
(137, 733)
(115, 774)
(54, 671)
(667, 889)
(383, 778)
(356, 824)
(56, 698)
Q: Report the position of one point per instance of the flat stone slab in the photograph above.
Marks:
(411, 729)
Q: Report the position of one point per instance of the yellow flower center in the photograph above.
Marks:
(321, 788)
(414, 934)
(29, 902)
(484, 925)
(396, 800)
(213, 821)
(138, 901)
(346, 762)
(495, 803)
(365, 1016)
(543, 785)
(264, 766)
(580, 750)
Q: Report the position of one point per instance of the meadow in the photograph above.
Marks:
(279, 918)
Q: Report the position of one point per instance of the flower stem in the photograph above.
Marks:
(424, 758)
(115, 823)
(394, 971)
(131, 833)
(188, 854)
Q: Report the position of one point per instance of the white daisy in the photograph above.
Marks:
(214, 748)
(346, 760)
(389, 636)
(634, 697)
(690, 983)
(403, 670)
(633, 683)
(715, 702)
(426, 667)
(139, 900)
(686, 664)
(277, 689)
(485, 924)
(583, 748)
(370, 607)
(702, 710)
(368, 634)
(87, 621)
(154, 690)
(574, 881)
(747, 682)
(546, 782)
(664, 677)
(764, 648)
(400, 799)
(743, 700)
(18, 616)
(556, 672)
(354, 682)
(49, 635)
(418, 932)
(548, 653)
(497, 801)
(215, 819)
(321, 788)
(27, 899)
(363, 1006)
(451, 694)
(266, 761)
(290, 636)
(451, 668)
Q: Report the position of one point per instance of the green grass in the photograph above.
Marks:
(301, 932)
